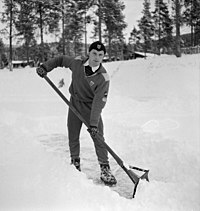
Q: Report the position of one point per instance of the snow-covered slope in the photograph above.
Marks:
(151, 121)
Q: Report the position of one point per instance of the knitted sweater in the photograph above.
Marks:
(90, 89)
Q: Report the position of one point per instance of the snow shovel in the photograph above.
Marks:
(132, 175)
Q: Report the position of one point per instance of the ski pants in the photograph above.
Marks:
(74, 127)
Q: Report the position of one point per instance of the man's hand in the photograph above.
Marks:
(93, 131)
(41, 71)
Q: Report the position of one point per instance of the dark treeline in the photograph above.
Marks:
(158, 30)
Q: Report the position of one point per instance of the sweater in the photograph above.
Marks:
(89, 89)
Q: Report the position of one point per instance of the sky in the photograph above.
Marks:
(132, 14)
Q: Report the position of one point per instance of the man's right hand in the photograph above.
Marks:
(41, 71)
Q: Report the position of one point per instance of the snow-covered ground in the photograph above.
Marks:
(151, 121)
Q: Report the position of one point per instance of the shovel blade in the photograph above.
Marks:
(135, 178)
(145, 176)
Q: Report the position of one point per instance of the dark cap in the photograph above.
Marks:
(99, 46)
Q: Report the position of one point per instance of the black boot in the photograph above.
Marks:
(76, 163)
(106, 176)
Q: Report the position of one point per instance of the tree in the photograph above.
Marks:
(65, 13)
(115, 24)
(146, 26)
(25, 24)
(46, 16)
(100, 14)
(8, 17)
(163, 25)
(178, 21)
(72, 26)
(134, 39)
(111, 17)
(3, 59)
(191, 16)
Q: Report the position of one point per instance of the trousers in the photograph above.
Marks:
(74, 125)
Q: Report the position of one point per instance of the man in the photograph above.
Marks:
(89, 89)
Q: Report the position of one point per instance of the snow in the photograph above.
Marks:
(151, 121)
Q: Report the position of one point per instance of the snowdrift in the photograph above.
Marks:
(151, 120)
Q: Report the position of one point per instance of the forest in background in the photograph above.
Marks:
(158, 30)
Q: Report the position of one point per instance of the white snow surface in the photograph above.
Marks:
(151, 120)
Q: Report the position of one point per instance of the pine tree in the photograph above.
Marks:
(134, 39)
(178, 24)
(111, 16)
(163, 25)
(46, 17)
(25, 24)
(115, 24)
(191, 17)
(9, 17)
(75, 27)
(177, 5)
(73, 20)
(3, 58)
(84, 7)
(146, 26)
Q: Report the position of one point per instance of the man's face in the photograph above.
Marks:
(95, 57)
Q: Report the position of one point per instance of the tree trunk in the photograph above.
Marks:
(159, 29)
(192, 35)
(178, 35)
(191, 23)
(85, 33)
(41, 34)
(63, 27)
(11, 20)
(27, 52)
(109, 45)
(100, 39)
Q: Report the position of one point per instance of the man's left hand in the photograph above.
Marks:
(93, 131)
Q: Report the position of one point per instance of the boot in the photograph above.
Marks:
(106, 176)
(76, 163)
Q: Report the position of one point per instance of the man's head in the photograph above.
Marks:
(96, 53)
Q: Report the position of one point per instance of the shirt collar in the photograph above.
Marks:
(93, 68)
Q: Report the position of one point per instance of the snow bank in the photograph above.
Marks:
(151, 120)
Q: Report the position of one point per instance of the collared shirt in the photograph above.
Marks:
(89, 71)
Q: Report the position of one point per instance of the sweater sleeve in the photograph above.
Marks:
(99, 101)
(60, 61)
